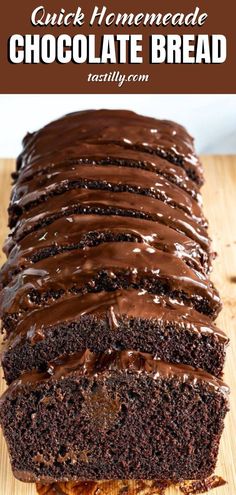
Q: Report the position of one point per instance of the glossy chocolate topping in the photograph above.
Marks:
(72, 230)
(79, 269)
(120, 127)
(105, 177)
(112, 306)
(87, 363)
(102, 200)
(108, 202)
(116, 155)
(106, 221)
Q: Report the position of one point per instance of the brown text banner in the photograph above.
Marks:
(118, 47)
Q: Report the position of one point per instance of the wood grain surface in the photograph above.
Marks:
(220, 208)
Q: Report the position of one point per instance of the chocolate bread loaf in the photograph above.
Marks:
(108, 262)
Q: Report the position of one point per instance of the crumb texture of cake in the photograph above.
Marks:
(111, 353)
(122, 319)
(114, 415)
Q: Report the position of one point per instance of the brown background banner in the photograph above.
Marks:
(162, 78)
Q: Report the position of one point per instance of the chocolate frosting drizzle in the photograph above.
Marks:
(112, 306)
(120, 127)
(66, 232)
(105, 177)
(86, 363)
(111, 154)
(103, 203)
(80, 268)
(107, 195)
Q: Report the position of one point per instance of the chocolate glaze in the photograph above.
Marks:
(79, 268)
(113, 155)
(113, 306)
(107, 202)
(108, 177)
(141, 168)
(87, 363)
(122, 127)
(71, 230)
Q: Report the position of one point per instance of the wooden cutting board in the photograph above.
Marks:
(220, 208)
